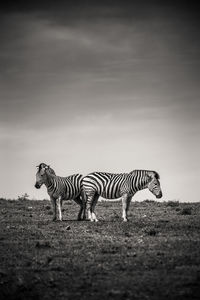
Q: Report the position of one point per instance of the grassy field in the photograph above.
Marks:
(156, 255)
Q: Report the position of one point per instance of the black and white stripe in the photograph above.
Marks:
(112, 186)
(61, 188)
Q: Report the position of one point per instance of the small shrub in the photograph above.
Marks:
(42, 244)
(186, 211)
(23, 197)
(2, 199)
(172, 203)
(149, 201)
(68, 202)
(110, 249)
(151, 232)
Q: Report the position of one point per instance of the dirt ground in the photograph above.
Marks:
(156, 255)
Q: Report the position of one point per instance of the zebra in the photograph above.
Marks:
(61, 188)
(123, 185)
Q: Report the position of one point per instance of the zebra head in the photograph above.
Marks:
(42, 171)
(154, 184)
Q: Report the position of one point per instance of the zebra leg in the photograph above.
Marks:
(127, 205)
(124, 207)
(89, 202)
(83, 198)
(84, 210)
(94, 218)
(53, 202)
(60, 208)
(80, 203)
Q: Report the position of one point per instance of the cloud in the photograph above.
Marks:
(99, 88)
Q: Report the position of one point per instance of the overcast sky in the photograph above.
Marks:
(108, 87)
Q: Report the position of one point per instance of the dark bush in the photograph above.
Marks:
(151, 232)
(42, 244)
(48, 207)
(149, 201)
(172, 203)
(186, 211)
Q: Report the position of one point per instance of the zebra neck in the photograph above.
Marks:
(139, 181)
(49, 181)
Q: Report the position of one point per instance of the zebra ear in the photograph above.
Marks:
(150, 175)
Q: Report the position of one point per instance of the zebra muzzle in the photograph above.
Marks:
(159, 195)
(37, 185)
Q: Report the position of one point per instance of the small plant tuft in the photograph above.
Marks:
(172, 203)
(186, 211)
(151, 232)
(42, 244)
(69, 202)
(48, 207)
(149, 201)
(23, 197)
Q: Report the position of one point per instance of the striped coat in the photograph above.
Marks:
(60, 188)
(112, 186)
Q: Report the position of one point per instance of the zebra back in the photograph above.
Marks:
(145, 174)
(105, 184)
(67, 187)
(111, 185)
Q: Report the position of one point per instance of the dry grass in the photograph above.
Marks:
(153, 256)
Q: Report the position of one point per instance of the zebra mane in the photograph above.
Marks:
(157, 176)
(47, 167)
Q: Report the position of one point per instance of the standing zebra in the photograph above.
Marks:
(112, 186)
(61, 188)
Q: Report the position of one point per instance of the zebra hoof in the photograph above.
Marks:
(93, 220)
